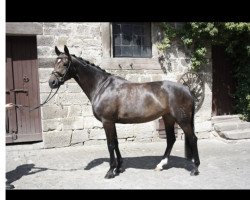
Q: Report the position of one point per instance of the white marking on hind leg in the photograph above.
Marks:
(163, 162)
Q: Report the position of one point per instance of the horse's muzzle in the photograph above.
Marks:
(54, 83)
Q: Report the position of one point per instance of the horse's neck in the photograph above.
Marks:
(89, 79)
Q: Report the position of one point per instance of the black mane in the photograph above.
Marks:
(86, 62)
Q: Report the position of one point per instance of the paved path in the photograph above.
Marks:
(223, 165)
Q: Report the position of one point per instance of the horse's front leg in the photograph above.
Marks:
(112, 142)
(119, 168)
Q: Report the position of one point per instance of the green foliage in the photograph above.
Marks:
(235, 37)
(168, 34)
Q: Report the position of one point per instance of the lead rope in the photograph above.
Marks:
(46, 101)
(61, 79)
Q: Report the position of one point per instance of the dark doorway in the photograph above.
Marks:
(22, 88)
(224, 84)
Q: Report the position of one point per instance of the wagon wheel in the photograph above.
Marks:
(196, 87)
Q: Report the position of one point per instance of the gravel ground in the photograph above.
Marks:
(224, 165)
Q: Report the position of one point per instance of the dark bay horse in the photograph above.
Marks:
(117, 100)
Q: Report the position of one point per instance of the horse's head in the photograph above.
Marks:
(62, 71)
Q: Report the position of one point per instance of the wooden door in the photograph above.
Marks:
(22, 88)
(224, 84)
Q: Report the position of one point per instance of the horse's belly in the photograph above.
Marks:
(140, 115)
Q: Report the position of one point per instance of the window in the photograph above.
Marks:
(132, 40)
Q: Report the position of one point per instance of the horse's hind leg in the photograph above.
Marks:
(169, 128)
(191, 145)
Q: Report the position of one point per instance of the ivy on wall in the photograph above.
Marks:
(235, 37)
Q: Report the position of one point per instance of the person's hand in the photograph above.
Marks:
(9, 105)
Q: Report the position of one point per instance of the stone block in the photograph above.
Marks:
(143, 139)
(236, 134)
(203, 126)
(97, 134)
(75, 42)
(88, 31)
(73, 88)
(57, 139)
(79, 136)
(92, 24)
(92, 122)
(75, 110)
(61, 41)
(146, 78)
(44, 87)
(72, 123)
(52, 112)
(133, 77)
(46, 40)
(57, 31)
(66, 25)
(50, 25)
(45, 51)
(51, 125)
(44, 75)
(157, 77)
(26, 28)
(144, 134)
(73, 99)
(44, 96)
(90, 43)
(92, 55)
(144, 127)
(95, 142)
(203, 135)
(87, 111)
(144, 130)
(125, 130)
(46, 62)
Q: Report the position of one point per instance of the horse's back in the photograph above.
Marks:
(129, 102)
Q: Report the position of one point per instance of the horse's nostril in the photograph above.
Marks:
(53, 83)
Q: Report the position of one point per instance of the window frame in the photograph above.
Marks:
(108, 61)
(149, 34)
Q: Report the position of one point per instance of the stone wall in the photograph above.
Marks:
(68, 120)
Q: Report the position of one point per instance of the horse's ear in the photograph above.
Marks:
(57, 51)
(66, 50)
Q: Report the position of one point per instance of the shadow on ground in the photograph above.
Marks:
(146, 162)
(22, 170)
(143, 162)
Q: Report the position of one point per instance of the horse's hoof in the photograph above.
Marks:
(109, 175)
(118, 171)
(158, 169)
(194, 172)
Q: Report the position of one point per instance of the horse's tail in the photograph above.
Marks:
(188, 149)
